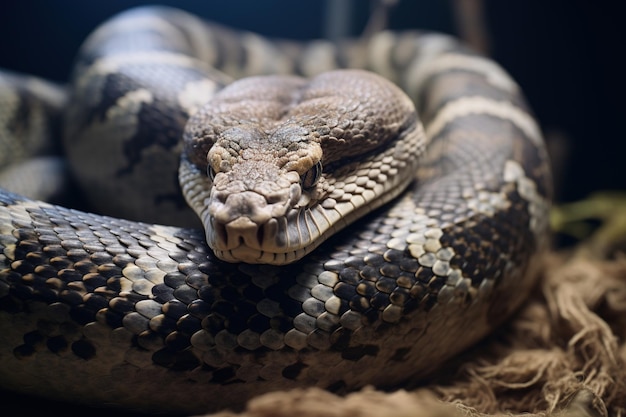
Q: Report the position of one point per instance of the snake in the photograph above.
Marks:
(263, 214)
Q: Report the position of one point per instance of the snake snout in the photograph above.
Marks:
(228, 207)
(247, 221)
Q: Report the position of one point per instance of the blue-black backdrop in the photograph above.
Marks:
(564, 53)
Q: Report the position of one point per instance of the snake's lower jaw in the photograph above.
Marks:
(243, 240)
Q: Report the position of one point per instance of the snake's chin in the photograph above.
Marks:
(253, 256)
(243, 241)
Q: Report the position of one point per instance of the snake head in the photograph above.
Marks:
(274, 165)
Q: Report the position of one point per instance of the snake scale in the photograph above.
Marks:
(430, 201)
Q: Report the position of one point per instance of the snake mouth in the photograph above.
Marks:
(243, 240)
(241, 232)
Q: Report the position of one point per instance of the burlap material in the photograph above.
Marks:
(563, 353)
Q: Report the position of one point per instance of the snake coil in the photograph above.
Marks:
(429, 226)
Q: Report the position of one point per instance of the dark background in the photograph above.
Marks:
(564, 53)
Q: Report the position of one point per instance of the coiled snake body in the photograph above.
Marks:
(439, 222)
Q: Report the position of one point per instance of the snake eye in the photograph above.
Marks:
(210, 172)
(312, 176)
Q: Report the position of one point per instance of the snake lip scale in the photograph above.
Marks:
(340, 215)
